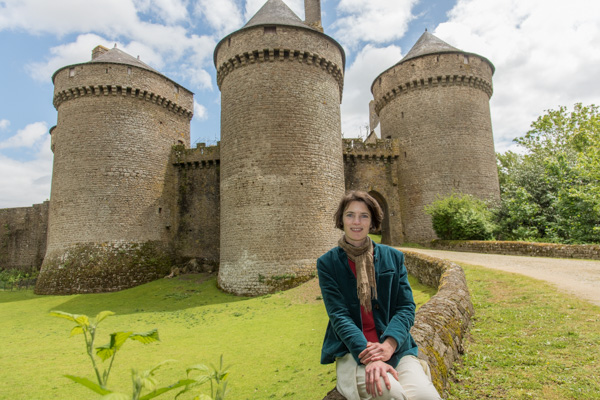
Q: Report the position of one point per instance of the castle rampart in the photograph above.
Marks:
(116, 90)
(271, 55)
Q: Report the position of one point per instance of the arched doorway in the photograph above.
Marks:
(385, 224)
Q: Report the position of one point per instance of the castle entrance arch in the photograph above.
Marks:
(385, 224)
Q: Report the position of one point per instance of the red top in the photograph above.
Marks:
(368, 322)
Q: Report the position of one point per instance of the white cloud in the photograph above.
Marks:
(200, 112)
(544, 53)
(67, 54)
(368, 64)
(376, 21)
(67, 16)
(224, 16)
(4, 124)
(198, 77)
(169, 11)
(27, 137)
(26, 182)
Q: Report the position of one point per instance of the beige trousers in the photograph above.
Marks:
(413, 382)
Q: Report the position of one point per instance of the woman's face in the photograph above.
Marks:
(357, 222)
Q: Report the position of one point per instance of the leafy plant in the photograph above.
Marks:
(461, 217)
(141, 380)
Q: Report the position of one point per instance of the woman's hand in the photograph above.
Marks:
(378, 351)
(373, 372)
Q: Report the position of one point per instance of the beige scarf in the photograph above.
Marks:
(362, 256)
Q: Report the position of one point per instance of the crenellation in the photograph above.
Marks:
(247, 58)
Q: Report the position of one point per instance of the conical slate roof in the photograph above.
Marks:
(429, 44)
(117, 56)
(276, 12)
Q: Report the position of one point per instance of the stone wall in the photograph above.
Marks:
(441, 324)
(586, 251)
(196, 224)
(23, 236)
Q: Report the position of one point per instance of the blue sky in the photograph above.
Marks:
(546, 54)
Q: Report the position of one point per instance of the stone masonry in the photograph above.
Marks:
(281, 158)
(130, 198)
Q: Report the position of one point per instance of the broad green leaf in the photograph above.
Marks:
(89, 384)
(105, 352)
(77, 330)
(160, 391)
(116, 341)
(82, 320)
(146, 337)
(102, 315)
(62, 314)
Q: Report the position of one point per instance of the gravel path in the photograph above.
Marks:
(578, 277)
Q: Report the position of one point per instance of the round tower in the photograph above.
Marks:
(108, 221)
(436, 102)
(281, 150)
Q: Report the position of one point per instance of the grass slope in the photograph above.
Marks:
(272, 342)
(528, 341)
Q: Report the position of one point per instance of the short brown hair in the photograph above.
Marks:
(372, 205)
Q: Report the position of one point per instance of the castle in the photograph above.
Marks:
(130, 197)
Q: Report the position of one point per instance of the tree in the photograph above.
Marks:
(552, 192)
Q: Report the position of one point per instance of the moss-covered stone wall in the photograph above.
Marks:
(104, 267)
(586, 251)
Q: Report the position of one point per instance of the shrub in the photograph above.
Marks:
(461, 217)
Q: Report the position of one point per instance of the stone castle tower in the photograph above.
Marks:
(130, 199)
(282, 172)
(117, 122)
(435, 102)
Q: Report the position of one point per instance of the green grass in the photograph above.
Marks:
(272, 342)
(529, 341)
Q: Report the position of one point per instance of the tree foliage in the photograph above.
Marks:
(552, 191)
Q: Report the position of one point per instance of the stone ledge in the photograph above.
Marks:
(532, 249)
(441, 324)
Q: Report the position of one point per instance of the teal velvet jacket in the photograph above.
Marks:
(393, 310)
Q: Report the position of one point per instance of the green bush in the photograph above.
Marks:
(461, 217)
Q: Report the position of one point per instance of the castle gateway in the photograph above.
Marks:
(130, 198)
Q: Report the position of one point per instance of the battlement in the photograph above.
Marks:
(201, 156)
(279, 54)
(432, 83)
(117, 90)
(382, 149)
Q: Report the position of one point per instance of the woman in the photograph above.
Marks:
(371, 310)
